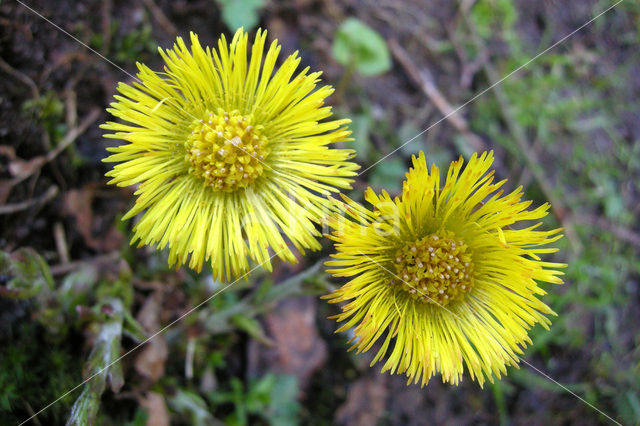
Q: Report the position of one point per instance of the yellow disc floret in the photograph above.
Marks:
(435, 269)
(226, 150)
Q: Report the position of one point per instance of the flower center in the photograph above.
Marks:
(435, 269)
(226, 151)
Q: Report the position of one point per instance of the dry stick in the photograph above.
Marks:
(71, 107)
(67, 140)
(107, 5)
(73, 134)
(31, 412)
(619, 231)
(423, 80)
(64, 143)
(61, 242)
(530, 156)
(64, 268)
(35, 93)
(161, 18)
(25, 205)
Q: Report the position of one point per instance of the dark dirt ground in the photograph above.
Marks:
(577, 108)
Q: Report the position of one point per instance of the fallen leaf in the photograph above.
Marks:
(78, 204)
(151, 361)
(298, 349)
(156, 409)
(366, 401)
(19, 167)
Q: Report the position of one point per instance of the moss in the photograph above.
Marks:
(32, 376)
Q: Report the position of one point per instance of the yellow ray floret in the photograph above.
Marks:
(444, 277)
(232, 158)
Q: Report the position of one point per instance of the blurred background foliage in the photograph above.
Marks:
(75, 297)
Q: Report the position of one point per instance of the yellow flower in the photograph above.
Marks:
(439, 275)
(230, 158)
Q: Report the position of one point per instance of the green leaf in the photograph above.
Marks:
(361, 125)
(283, 407)
(192, 405)
(76, 287)
(240, 13)
(358, 46)
(492, 16)
(262, 291)
(27, 272)
(253, 328)
(101, 366)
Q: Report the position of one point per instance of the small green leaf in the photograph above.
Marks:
(283, 406)
(262, 291)
(27, 274)
(253, 328)
(360, 47)
(192, 405)
(361, 125)
(240, 13)
(100, 365)
(492, 16)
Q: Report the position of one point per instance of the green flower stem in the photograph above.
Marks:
(106, 349)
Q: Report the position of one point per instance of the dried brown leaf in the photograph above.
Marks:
(365, 402)
(78, 204)
(299, 350)
(151, 361)
(156, 409)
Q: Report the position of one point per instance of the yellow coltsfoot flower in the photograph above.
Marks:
(232, 159)
(442, 275)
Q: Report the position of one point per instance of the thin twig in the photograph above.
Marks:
(61, 242)
(423, 80)
(619, 231)
(161, 18)
(469, 67)
(71, 136)
(106, 25)
(35, 93)
(38, 162)
(64, 268)
(25, 205)
(188, 359)
(529, 155)
(71, 107)
(31, 412)
(67, 140)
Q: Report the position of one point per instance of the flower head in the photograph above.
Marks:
(442, 275)
(231, 158)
